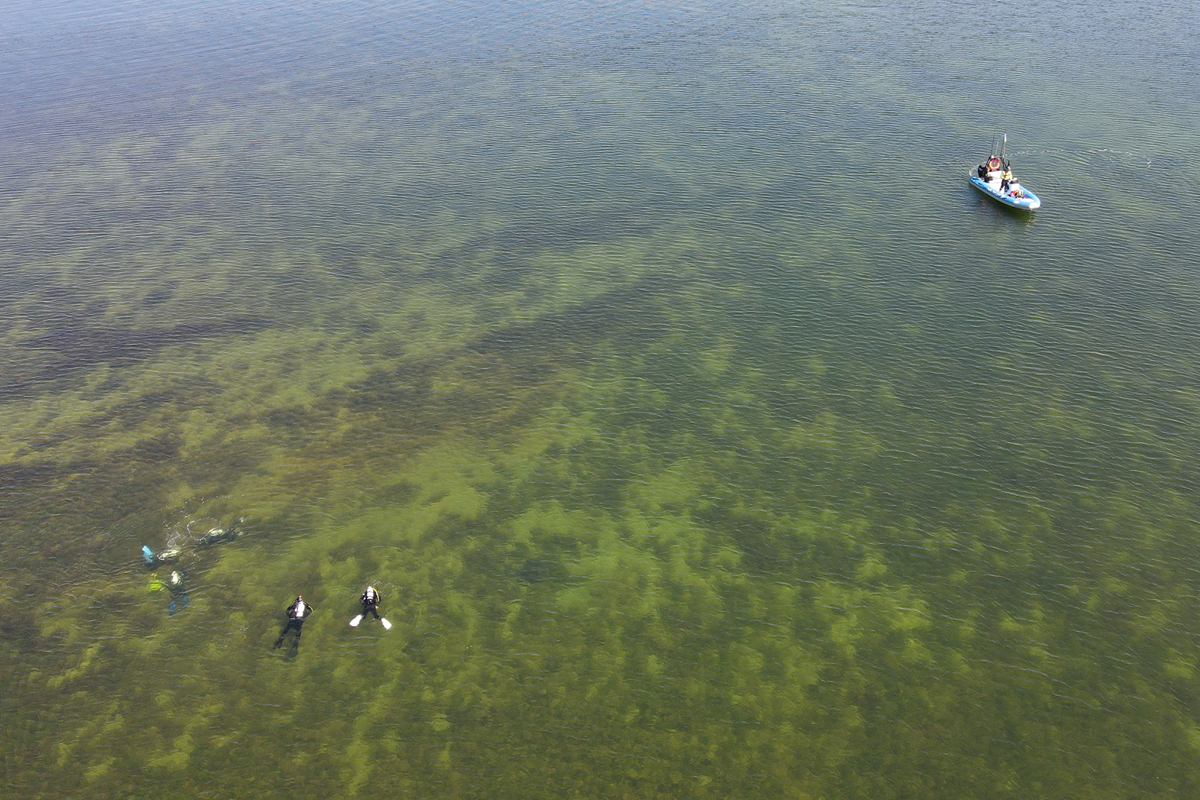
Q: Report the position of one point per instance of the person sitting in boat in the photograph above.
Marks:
(1006, 178)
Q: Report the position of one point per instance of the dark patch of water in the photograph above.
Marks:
(80, 346)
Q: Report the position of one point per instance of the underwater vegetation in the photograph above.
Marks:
(687, 465)
(636, 549)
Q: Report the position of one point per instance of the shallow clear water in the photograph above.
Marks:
(705, 433)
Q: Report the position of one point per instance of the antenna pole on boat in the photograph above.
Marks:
(1003, 147)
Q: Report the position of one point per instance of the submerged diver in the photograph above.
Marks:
(179, 596)
(219, 535)
(174, 553)
(370, 601)
(154, 560)
(297, 612)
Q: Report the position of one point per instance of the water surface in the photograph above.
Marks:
(705, 433)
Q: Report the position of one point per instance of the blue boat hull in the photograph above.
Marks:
(1030, 202)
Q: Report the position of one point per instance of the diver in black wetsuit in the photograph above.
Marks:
(370, 601)
(297, 612)
(219, 535)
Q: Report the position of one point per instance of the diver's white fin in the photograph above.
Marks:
(354, 622)
(387, 626)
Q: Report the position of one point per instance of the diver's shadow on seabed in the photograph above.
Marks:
(295, 648)
(292, 650)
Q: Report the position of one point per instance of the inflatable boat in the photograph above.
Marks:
(1014, 195)
(995, 179)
